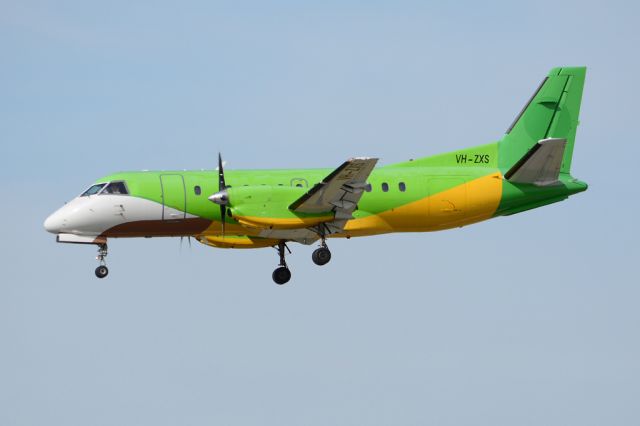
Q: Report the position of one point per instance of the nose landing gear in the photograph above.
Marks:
(102, 270)
(282, 274)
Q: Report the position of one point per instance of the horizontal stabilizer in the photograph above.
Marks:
(541, 165)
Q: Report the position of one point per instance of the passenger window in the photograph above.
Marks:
(197, 190)
(385, 187)
(402, 187)
(94, 189)
(367, 187)
(115, 188)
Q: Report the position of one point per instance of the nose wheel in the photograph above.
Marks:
(282, 274)
(102, 270)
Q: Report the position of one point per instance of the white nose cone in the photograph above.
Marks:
(54, 223)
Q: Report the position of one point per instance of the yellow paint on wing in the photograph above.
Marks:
(215, 228)
(236, 241)
(466, 203)
(281, 223)
(252, 226)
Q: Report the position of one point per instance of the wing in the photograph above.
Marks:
(339, 192)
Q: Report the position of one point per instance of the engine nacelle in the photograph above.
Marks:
(266, 207)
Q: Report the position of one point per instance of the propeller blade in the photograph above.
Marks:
(221, 187)
(221, 184)
(223, 217)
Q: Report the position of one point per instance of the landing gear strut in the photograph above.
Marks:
(321, 255)
(282, 274)
(102, 270)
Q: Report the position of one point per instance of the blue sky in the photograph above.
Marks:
(530, 319)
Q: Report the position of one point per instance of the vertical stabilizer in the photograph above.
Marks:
(551, 113)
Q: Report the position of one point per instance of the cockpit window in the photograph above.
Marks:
(115, 188)
(94, 189)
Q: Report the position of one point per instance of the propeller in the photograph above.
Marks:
(221, 197)
(188, 240)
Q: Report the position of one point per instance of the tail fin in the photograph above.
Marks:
(552, 112)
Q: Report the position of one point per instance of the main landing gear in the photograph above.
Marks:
(282, 274)
(102, 270)
(321, 255)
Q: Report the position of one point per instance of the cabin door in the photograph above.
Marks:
(174, 200)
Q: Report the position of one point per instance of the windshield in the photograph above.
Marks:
(117, 188)
(94, 189)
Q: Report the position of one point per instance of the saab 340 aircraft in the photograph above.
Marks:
(528, 168)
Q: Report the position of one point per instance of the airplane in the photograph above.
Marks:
(529, 167)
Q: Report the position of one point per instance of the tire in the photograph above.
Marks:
(321, 256)
(281, 275)
(102, 271)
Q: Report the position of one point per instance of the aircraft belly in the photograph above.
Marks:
(158, 228)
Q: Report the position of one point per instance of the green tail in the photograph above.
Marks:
(552, 112)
